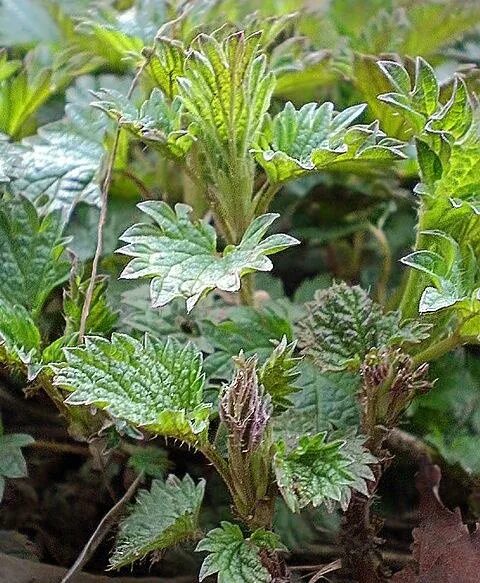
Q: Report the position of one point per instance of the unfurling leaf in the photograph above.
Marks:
(234, 558)
(317, 471)
(279, 374)
(157, 122)
(343, 324)
(181, 256)
(314, 137)
(160, 518)
(154, 384)
(31, 254)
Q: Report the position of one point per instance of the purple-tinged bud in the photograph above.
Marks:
(244, 407)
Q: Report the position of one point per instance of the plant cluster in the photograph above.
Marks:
(161, 319)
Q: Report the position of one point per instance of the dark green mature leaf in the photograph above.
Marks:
(297, 142)
(31, 254)
(12, 462)
(163, 517)
(61, 166)
(343, 324)
(19, 336)
(325, 401)
(157, 122)
(318, 471)
(247, 329)
(181, 255)
(448, 416)
(234, 558)
(154, 384)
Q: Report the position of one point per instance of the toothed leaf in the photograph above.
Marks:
(19, 336)
(31, 254)
(181, 256)
(343, 324)
(153, 384)
(157, 122)
(233, 558)
(318, 471)
(162, 517)
(12, 462)
(315, 137)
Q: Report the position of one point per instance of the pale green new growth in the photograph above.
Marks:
(157, 122)
(279, 374)
(234, 558)
(454, 274)
(318, 471)
(343, 324)
(181, 256)
(165, 516)
(19, 336)
(315, 137)
(31, 254)
(153, 384)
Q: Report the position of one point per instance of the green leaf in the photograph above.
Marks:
(101, 317)
(61, 166)
(31, 254)
(12, 462)
(157, 122)
(448, 416)
(114, 35)
(226, 90)
(315, 137)
(181, 255)
(247, 329)
(19, 336)
(318, 471)
(343, 324)
(166, 65)
(150, 460)
(22, 94)
(454, 273)
(325, 401)
(154, 384)
(165, 516)
(279, 374)
(234, 558)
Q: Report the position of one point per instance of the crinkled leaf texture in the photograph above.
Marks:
(234, 558)
(343, 324)
(61, 166)
(443, 548)
(12, 462)
(317, 471)
(226, 90)
(31, 254)
(181, 255)
(154, 384)
(297, 142)
(157, 122)
(160, 518)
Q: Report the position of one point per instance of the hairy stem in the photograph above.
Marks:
(381, 287)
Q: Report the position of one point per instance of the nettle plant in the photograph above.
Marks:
(209, 114)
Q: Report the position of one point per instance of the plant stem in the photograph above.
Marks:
(381, 288)
(264, 198)
(438, 349)
(107, 181)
